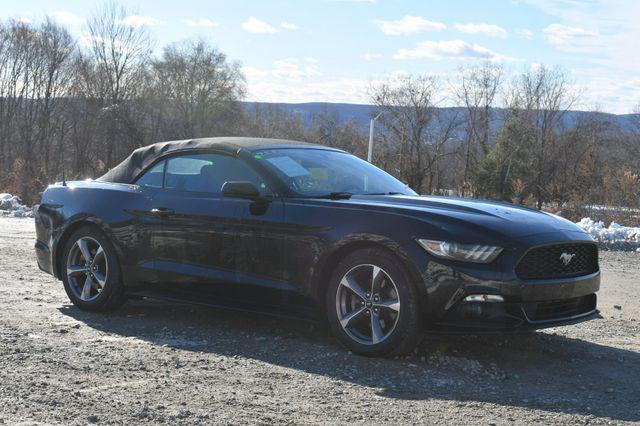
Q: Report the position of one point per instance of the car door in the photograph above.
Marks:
(141, 233)
(207, 246)
(267, 259)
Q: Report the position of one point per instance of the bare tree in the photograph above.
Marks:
(328, 129)
(630, 138)
(418, 130)
(57, 48)
(268, 121)
(116, 75)
(34, 81)
(538, 103)
(10, 70)
(477, 92)
(194, 85)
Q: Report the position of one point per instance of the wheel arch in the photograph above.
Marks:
(68, 231)
(332, 259)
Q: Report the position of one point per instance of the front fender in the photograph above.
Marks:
(340, 248)
(70, 225)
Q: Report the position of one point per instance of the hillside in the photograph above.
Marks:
(360, 114)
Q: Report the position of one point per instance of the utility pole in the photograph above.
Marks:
(370, 151)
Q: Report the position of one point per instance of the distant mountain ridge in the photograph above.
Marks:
(360, 114)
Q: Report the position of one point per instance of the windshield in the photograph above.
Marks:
(316, 172)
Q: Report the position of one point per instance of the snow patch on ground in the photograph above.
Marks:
(10, 206)
(614, 233)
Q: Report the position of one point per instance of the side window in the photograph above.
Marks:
(208, 172)
(153, 176)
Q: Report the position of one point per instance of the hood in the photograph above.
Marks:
(452, 214)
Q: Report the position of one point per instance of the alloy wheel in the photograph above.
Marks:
(87, 269)
(368, 304)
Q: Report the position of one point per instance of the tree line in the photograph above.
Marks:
(531, 150)
(83, 105)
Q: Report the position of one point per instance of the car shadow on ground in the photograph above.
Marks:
(543, 371)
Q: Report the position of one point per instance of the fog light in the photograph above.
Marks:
(484, 298)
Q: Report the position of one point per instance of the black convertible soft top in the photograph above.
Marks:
(141, 158)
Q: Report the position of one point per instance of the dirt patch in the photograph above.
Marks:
(155, 362)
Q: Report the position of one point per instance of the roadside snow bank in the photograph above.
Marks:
(10, 206)
(614, 233)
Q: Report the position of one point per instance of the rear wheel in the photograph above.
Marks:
(372, 305)
(91, 272)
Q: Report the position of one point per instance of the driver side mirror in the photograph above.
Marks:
(240, 190)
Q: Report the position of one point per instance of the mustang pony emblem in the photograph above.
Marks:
(567, 258)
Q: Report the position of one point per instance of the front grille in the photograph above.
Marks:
(550, 262)
(559, 309)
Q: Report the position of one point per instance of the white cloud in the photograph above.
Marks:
(86, 39)
(451, 49)
(614, 93)
(371, 56)
(67, 18)
(604, 49)
(569, 38)
(253, 73)
(338, 89)
(136, 21)
(607, 75)
(525, 33)
(256, 26)
(330, 89)
(201, 23)
(289, 25)
(290, 70)
(408, 25)
(489, 30)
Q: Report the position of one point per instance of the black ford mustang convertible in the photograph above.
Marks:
(307, 231)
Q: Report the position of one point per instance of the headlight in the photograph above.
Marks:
(475, 253)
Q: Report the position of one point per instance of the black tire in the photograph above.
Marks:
(407, 331)
(112, 296)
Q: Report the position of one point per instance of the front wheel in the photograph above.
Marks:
(91, 272)
(372, 305)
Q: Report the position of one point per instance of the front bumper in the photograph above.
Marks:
(43, 257)
(526, 305)
(44, 237)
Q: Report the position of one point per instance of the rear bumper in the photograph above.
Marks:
(521, 305)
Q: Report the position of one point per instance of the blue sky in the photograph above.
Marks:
(334, 50)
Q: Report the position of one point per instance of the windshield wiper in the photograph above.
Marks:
(335, 195)
(383, 193)
(346, 195)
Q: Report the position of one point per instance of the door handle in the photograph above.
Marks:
(162, 211)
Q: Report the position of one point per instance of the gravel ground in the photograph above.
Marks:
(155, 362)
